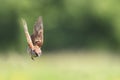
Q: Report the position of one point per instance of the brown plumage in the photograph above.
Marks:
(35, 41)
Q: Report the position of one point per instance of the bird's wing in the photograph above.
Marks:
(29, 41)
(37, 36)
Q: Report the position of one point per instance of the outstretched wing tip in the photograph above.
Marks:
(40, 19)
(23, 21)
(40, 16)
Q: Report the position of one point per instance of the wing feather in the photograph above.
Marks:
(29, 41)
(37, 36)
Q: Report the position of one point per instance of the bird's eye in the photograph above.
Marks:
(33, 50)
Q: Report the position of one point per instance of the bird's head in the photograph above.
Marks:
(36, 52)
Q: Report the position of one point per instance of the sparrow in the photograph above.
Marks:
(34, 41)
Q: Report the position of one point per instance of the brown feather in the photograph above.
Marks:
(37, 36)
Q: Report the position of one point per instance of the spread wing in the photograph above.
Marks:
(37, 36)
(29, 41)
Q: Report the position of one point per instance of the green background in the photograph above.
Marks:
(68, 24)
(81, 40)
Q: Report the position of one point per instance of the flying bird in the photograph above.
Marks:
(34, 41)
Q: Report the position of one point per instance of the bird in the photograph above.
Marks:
(35, 40)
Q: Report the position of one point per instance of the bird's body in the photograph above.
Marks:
(35, 41)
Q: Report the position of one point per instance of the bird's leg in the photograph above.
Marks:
(32, 58)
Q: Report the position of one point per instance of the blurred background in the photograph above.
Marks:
(81, 40)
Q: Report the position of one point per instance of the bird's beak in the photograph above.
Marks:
(38, 55)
